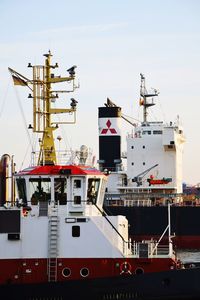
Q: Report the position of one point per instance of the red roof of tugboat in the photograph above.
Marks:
(57, 169)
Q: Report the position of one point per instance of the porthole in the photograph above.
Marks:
(84, 272)
(66, 272)
(139, 271)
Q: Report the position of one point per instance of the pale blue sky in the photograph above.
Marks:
(111, 42)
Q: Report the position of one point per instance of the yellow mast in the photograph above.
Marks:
(43, 95)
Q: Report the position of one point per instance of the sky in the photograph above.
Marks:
(111, 42)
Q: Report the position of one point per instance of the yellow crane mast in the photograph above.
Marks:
(43, 96)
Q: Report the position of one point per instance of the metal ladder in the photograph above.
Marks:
(53, 245)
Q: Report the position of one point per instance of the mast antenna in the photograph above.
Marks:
(43, 96)
(144, 95)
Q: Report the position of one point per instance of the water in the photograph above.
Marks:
(189, 256)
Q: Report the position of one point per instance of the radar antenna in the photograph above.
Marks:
(144, 95)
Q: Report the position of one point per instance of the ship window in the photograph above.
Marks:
(13, 236)
(75, 231)
(132, 147)
(146, 132)
(132, 163)
(143, 163)
(60, 189)
(21, 186)
(157, 132)
(66, 272)
(84, 272)
(77, 183)
(40, 189)
(93, 188)
(143, 147)
(77, 200)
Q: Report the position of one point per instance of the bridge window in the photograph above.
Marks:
(77, 183)
(60, 189)
(21, 187)
(40, 190)
(93, 188)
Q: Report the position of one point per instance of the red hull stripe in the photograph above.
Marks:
(36, 270)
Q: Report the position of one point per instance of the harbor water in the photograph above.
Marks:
(189, 256)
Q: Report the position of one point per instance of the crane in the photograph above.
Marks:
(138, 178)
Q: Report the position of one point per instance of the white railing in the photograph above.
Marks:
(129, 203)
(153, 250)
(64, 157)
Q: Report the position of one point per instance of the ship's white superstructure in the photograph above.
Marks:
(151, 144)
(154, 153)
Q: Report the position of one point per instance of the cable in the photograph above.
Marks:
(131, 118)
(23, 116)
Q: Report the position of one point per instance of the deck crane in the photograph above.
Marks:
(138, 178)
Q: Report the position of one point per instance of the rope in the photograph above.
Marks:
(131, 118)
(24, 119)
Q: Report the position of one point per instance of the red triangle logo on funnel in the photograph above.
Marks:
(105, 130)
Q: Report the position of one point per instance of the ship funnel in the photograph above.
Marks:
(4, 178)
(109, 138)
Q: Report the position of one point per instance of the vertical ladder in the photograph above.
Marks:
(53, 245)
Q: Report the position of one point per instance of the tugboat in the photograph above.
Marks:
(56, 240)
(148, 176)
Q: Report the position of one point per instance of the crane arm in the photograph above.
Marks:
(138, 178)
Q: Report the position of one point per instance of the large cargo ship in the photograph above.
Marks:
(152, 177)
(56, 241)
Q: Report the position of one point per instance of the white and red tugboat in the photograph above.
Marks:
(56, 241)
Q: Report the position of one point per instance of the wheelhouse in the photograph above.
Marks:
(75, 187)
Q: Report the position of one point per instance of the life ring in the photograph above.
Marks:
(125, 267)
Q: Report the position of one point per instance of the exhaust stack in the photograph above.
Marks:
(4, 179)
(109, 119)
